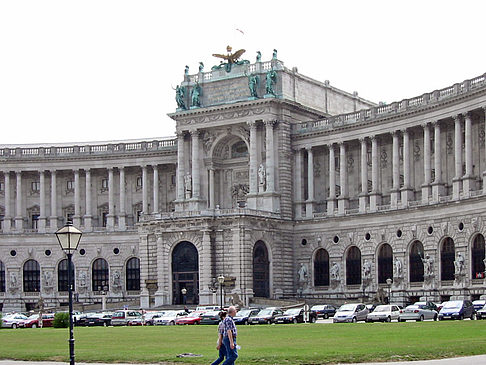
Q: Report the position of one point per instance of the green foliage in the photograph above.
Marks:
(263, 344)
(61, 320)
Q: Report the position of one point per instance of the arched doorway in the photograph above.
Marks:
(321, 268)
(447, 257)
(415, 262)
(353, 266)
(477, 256)
(385, 263)
(261, 270)
(185, 274)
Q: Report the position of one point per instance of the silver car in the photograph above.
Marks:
(348, 313)
(384, 313)
(418, 312)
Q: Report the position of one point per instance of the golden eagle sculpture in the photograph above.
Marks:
(230, 57)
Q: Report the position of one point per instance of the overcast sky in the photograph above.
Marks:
(104, 70)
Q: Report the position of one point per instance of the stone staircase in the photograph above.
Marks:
(266, 302)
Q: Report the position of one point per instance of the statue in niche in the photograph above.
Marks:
(253, 81)
(116, 279)
(259, 56)
(180, 92)
(201, 67)
(188, 185)
(302, 274)
(366, 270)
(397, 268)
(335, 272)
(459, 265)
(186, 71)
(270, 80)
(262, 176)
(13, 280)
(195, 95)
(428, 266)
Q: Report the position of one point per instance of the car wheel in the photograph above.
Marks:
(435, 317)
(461, 317)
(400, 320)
(313, 319)
(197, 322)
(388, 319)
(171, 323)
(294, 321)
(421, 318)
(472, 317)
(14, 326)
(246, 323)
(34, 326)
(326, 316)
(355, 320)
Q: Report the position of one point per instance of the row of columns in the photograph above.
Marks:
(400, 196)
(77, 218)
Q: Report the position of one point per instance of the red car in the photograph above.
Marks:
(33, 321)
(191, 318)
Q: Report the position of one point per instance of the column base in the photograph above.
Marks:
(425, 193)
(394, 198)
(87, 222)
(456, 188)
(77, 221)
(331, 206)
(363, 202)
(407, 195)
(180, 205)
(53, 223)
(7, 224)
(343, 203)
(161, 298)
(375, 200)
(468, 184)
(309, 209)
(437, 191)
(110, 221)
(144, 299)
(271, 202)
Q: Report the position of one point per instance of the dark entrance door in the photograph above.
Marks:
(185, 274)
(261, 271)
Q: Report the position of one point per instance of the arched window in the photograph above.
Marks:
(62, 276)
(100, 275)
(385, 263)
(133, 274)
(31, 276)
(261, 270)
(321, 268)
(185, 273)
(478, 257)
(447, 257)
(415, 262)
(353, 266)
(2, 277)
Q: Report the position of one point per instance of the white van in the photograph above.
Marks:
(121, 317)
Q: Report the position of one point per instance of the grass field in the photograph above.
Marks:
(280, 344)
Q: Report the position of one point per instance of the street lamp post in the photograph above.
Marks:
(68, 238)
(221, 282)
(389, 283)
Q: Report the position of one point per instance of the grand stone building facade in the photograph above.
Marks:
(285, 185)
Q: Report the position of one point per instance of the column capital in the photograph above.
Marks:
(75, 171)
(180, 134)
(18, 172)
(435, 124)
(373, 137)
(269, 123)
(395, 133)
(362, 140)
(466, 115)
(341, 144)
(404, 131)
(309, 148)
(457, 118)
(425, 125)
(330, 145)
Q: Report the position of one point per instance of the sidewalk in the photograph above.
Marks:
(470, 360)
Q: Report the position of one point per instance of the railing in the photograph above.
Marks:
(209, 213)
(367, 115)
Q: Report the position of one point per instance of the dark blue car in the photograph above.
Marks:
(324, 310)
(243, 315)
(457, 309)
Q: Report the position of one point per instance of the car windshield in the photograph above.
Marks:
(292, 312)
(34, 316)
(194, 315)
(347, 308)
(382, 308)
(453, 304)
(244, 313)
(412, 307)
(211, 314)
(169, 314)
(265, 312)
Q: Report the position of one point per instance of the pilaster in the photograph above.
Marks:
(122, 214)
(343, 199)
(88, 216)
(331, 201)
(42, 203)
(406, 191)
(468, 180)
(395, 192)
(457, 180)
(427, 172)
(363, 196)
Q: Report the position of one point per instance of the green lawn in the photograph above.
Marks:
(264, 344)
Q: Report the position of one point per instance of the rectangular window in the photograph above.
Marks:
(139, 182)
(35, 185)
(35, 221)
(2, 186)
(104, 184)
(104, 218)
(69, 185)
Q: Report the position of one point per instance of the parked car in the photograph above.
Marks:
(429, 304)
(457, 309)
(265, 316)
(207, 308)
(210, 317)
(151, 316)
(33, 321)
(122, 317)
(13, 320)
(169, 318)
(95, 319)
(191, 318)
(351, 313)
(384, 313)
(243, 315)
(418, 312)
(324, 310)
(481, 314)
(295, 315)
(479, 304)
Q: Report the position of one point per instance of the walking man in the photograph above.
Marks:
(229, 337)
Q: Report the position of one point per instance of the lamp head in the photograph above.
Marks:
(69, 237)
(389, 281)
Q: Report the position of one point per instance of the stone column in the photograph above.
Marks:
(457, 180)
(144, 271)
(19, 219)
(363, 196)
(407, 191)
(343, 179)
(253, 158)
(155, 208)
(331, 202)
(484, 172)
(437, 185)
(144, 190)
(110, 218)
(88, 215)
(395, 192)
(427, 172)
(270, 156)
(53, 219)
(42, 202)
(309, 205)
(298, 183)
(375, 195)
(211, 188)
(7, 221)
(122, 214)
(77, 205)
(195, 165)
(468, 180)
(180, 166)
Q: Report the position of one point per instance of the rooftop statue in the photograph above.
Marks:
(253, 81)
(201, 67)
(270, 80)
(186, 70)
(231, 58)
(259, 56)
(274, 57)
(195, 93)
(180, 92)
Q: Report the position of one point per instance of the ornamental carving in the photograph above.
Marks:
(317, 168)
(449, 144)
(384, 158)
(208, 139)
(223, 116)
(350, 163)
(416, 151)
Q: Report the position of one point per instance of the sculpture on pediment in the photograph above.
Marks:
(262, 176)
(201, 67)
(270, 80)
(195, 96)
(259, 56)
(180, 93)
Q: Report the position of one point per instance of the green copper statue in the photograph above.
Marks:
(253, 81)
(259, 56)
(195, 94)
(274, 57)
(201, 67)
(180, 92)
(270, 80)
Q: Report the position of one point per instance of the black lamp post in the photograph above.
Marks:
(389, 283)
(221, 282)
(184, 293)
(69, 237)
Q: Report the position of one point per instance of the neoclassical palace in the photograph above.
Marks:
(287, 186)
